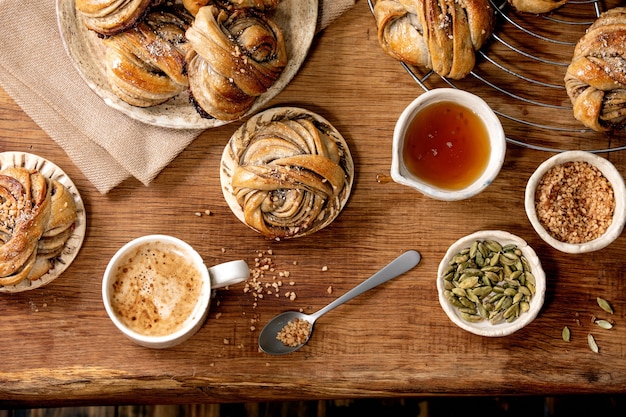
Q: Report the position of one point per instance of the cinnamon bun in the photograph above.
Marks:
(236, 57)
(194, 5)
(596, 78)
(442, 35)
(536, 6)
(145, 65)
(108, 17)
(36, 216)
(286, 173)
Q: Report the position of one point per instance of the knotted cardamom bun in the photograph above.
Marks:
(145, 65)
(442, 35)
(36, 216)
(596, 78)
(108, 17)
(286, 173)
(536, 6)
(236, 57)
(194, 5)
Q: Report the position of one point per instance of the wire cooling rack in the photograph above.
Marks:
(520, 74)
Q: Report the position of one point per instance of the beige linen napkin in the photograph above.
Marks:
(37, 73)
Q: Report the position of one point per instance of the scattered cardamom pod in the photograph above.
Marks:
(605, 324)
(604, 305)
(592, 343)
(566, 334)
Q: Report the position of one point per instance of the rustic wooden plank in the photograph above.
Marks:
(394, 341)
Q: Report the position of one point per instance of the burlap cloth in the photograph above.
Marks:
(37, 73)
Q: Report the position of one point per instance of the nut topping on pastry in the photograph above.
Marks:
(236, 57)
(442, 35)
(596, 78)
(194, 5)
(36, 216)
(286, 173)
(146, 63)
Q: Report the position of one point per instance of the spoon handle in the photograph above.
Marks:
(395, 268)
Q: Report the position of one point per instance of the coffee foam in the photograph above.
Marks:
(155, 289)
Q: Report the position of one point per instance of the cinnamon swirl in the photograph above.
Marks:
(596, 78)
(286, 173)
(36, 216)
(236, 57)
(442, 35)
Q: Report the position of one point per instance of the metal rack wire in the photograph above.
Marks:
(523, 82)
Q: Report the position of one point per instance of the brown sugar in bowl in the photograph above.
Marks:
(576, 202)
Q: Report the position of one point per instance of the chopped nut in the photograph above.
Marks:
(262, 279)
(575, 202)
(325, 268)
(295, 332)
(329, 290)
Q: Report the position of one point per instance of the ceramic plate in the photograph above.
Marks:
(297, 19)
(229, 163)
(75, 241)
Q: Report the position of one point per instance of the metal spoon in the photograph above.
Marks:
(270, 344)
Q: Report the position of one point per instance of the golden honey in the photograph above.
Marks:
(446, 145)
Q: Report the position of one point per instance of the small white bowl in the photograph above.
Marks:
(485, 327)
(619, 191)
(402, 175)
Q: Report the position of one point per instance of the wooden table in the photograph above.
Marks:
(59, 346)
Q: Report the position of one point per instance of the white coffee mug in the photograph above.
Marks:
(157, 290)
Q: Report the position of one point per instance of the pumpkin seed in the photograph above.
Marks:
(604, 305)
(592, 343)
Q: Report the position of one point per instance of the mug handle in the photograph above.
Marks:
(228, 273)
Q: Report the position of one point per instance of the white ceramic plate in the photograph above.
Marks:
(75, 241)
(297, 19)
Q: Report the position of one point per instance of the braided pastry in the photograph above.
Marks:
(286, 173)
(36, 216)
(536, 6)
(236, 57)
(596, 78)
(108, 17)
(442, 35)
(145, 65)
(194, 5)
